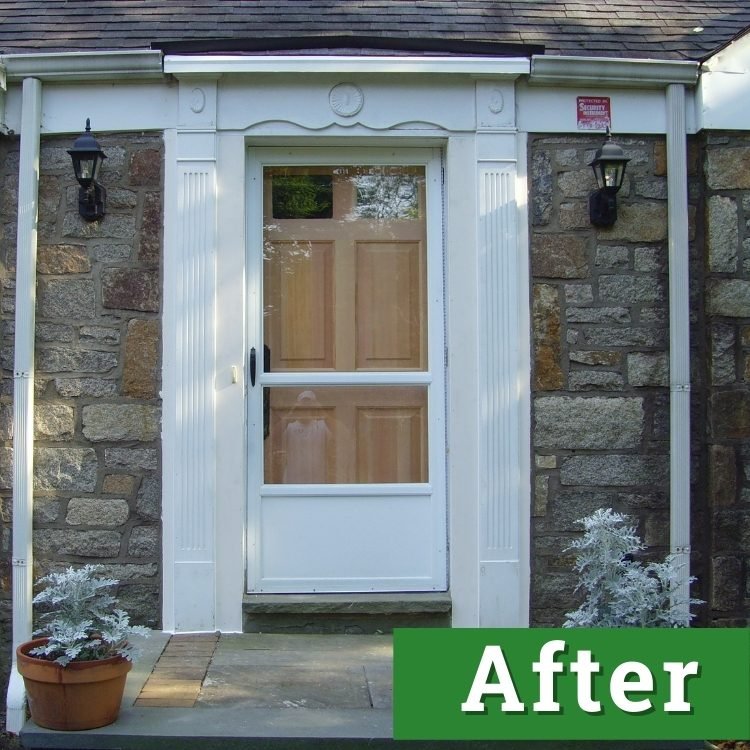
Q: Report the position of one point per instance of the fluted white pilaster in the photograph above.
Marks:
(189, 453)
(500, 466)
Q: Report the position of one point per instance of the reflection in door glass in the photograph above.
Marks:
(338, 435)
(344, 268)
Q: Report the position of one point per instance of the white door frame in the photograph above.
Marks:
(432, 494)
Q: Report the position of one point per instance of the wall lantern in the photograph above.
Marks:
(87, 158)
(609, 168)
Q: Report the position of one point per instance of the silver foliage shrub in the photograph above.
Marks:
(82, 622)
(620, 591)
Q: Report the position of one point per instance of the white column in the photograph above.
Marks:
(503, 341)
(503, 465)
(189, 460)
(23, 390)
(679, 339)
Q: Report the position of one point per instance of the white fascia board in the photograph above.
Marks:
(84, 66)
(192, 65)
(563, 70)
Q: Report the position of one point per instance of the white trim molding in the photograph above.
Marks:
(497, 67)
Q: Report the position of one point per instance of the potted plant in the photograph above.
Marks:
(75, 672)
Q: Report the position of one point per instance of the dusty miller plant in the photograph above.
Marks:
(81, 620)
(622, 592)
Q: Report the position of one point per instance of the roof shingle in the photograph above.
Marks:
(614, 28)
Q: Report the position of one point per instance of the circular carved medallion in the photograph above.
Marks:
(346, 99)
(496, 102)
(197, 100)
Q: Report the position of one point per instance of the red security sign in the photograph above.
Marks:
(593, 112)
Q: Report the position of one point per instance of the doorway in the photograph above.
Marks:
(346, 386)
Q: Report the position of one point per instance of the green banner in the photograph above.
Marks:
(598, 684)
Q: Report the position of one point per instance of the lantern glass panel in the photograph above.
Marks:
(612, 175)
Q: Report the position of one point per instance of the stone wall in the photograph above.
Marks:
(600, 357)
(727, 342)
(98, 364)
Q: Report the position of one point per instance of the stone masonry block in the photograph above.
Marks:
(595, 380)
(144, 542)
(627, 289)
(722, 354)
(722, 475)
(117, 422)
(728, 168)
(726, 583)
(614, 470)
(146, 459)
(646, 369)
(56, 359)
(65, 469)
(723, 235)
(559, 256)
(595, 423)
(119, 484)
(63, 258)
(730, 414)
(140, 377)
(115, 226)
(90, 543)
(547, 324)
(644, 221)
(131, 289)
(53, 421)
(149, 250)
(145, 168)
(6, 468)
(148, 504)
(729, 298)
(67, 298)
(92, 387)
(97, 511)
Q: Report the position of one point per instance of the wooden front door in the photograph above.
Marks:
(346, 422)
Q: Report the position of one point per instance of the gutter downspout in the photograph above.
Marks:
(3, 90)
(23, 390)
(679, 346)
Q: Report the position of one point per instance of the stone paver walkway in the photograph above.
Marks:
(271, 671)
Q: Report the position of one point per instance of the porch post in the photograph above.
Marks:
(189, 459)
(503, 515)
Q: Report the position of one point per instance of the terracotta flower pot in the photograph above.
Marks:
(83, 695)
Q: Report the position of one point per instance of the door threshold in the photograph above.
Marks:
(344, 613)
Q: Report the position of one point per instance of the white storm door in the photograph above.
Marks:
(346, 399)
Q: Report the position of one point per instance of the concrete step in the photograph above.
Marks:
(344, 613)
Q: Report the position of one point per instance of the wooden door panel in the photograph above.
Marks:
(390, 307)
(339, 435)
(390, 445)
(298, 308)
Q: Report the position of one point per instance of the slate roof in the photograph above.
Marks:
(613, 28)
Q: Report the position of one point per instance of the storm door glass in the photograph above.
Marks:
(345, 291)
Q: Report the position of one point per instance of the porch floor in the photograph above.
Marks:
(264, 692)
